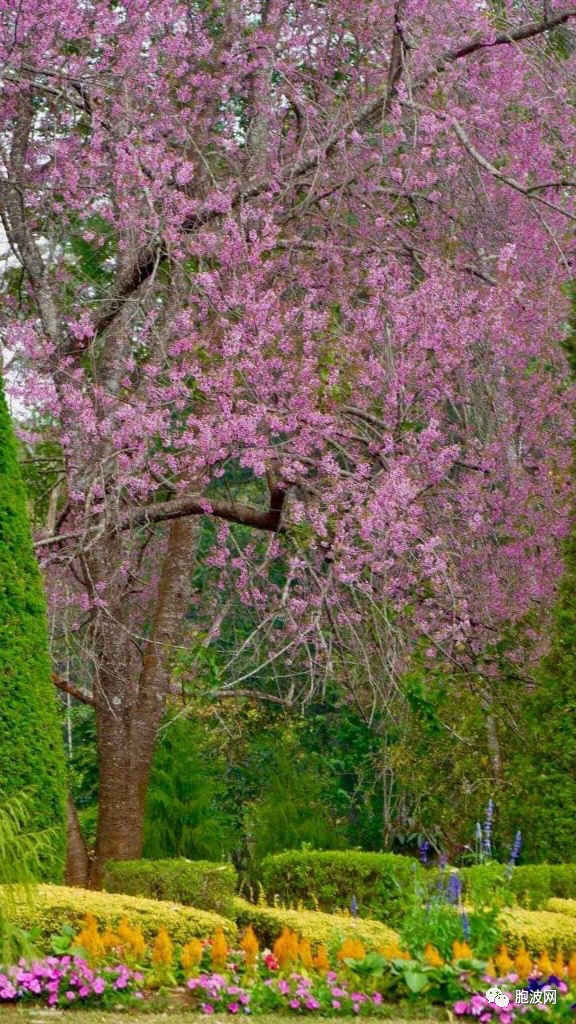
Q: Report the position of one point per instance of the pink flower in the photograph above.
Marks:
(377, 999)
(336, 1004)
(207, 1008)
(294, 1004)
(461, 1007)
(233, 1007)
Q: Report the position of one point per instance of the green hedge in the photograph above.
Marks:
(329, 929)
(32, 762)
(530, 885)
(383, 883)
(196, 883)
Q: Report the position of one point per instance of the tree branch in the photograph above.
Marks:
(74, 691)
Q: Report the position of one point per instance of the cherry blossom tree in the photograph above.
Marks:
(296, 266)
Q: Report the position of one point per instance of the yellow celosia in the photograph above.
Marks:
(523, 963)
(219, 950)
(572, 967)
(321, 961)
(544, 964)
(432, 956)
(132, 940)
(461, 950)
(305, 953)
(558, 966)
(191, 956)
(110, 940)
(503, 961)
(491, 968)
(351, 949)
(286, 947)
(90, 940)
(250, 946)
(393, 952)
(163, 949)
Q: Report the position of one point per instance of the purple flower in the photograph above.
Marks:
(294, 1004)
(312, 1003)
(423, 851)
(233, 1007)
(487, 837)
(453, 889)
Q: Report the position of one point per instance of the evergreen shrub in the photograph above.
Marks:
(383, 884)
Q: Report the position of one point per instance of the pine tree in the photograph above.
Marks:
(32, 762)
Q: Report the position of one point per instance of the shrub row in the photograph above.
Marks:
(530, 885)
(329, 929)
(53, 906)
(382, 883)
(386, 884)
(538, 930)
(200, 883)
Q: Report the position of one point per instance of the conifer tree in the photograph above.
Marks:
(31, 754)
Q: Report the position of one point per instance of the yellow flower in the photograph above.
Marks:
(558, 966)
(504, 963)
(250, 946)
(393, 952)
(432, 956)
(305, 953)
(286, 947)
(163, 949)
(191, 956)
(219, 950)
(90, 940)
(461, 950)
(321, 961)
(352, 949)
(544, 963)
(523, 963)
(132, 939)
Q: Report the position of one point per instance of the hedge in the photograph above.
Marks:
(53, 906)
(538, 930)
(530, 885)
(199, 883)
(330, 929)
(32, 762)
(382, 883)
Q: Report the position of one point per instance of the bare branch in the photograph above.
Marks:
(74, 691)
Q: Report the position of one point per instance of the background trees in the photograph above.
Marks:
(287, 308)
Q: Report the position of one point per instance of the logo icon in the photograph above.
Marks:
(497, 996)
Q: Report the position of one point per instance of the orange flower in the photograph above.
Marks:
(90, 940)
(432, 956)
(305, 953)
(286, 947)
(504, 964)
(544, 963)
(250, 946)
(163, 949)
(523, 963)
(321, 961)
(219, 950)
(558, 966)
(461, 950)
(572, 967)
(351, 949)
(191, 956)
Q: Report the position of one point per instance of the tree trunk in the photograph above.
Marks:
(130, 693)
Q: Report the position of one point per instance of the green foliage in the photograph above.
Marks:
(538, 930)
(194, 883)
(329, 929)
(383, 883)
(184, 815)
(530, 885)
(56, 905)
(20, 858)
(31, 753)
(293, 809)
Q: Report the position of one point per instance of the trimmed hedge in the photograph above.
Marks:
(199, 883)
(538, 930)
(330, 929)
(560, 906)
(56, 905)
(383, 883)
(32, 760)
(530, 885)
